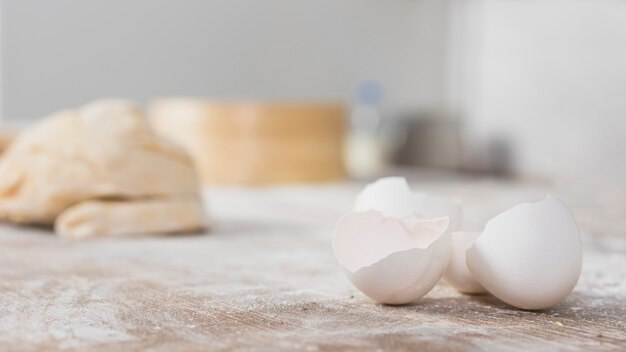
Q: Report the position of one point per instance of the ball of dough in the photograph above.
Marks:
(104, 151)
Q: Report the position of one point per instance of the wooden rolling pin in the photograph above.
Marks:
(253, 142)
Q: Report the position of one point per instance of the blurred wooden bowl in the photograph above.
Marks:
(254, 142)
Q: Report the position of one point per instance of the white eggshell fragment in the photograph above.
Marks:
(392, 196)
(529, 256)
(457, 275)
(391, 260)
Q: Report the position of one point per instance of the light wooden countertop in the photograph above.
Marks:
(265, 279)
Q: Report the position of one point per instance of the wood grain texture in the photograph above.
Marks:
(265, 279)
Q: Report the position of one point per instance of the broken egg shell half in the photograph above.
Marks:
(457, 275)
(391, 260)
(392, 196)
(529, 256)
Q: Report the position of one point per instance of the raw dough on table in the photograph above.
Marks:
(99, 170)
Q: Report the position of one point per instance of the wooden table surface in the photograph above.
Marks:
(265, 279)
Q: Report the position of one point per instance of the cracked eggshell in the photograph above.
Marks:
(457, 275)
(392, 261)
(529, 256)
(392, 196)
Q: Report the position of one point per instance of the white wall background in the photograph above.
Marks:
(548, 78)
(60, 53)
(545, 79)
